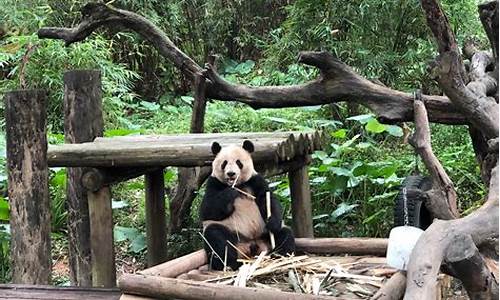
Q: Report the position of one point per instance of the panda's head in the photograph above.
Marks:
(233, 163)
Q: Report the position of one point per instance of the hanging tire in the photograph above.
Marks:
(418, 215)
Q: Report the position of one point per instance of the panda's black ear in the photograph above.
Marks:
(247, 145)
(216, 148)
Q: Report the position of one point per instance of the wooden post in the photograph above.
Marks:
(156, 228)
(82, 123)
(26, 130)
(101, 238)
(301, 202)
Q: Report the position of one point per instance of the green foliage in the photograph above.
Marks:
(4, 253)
(48, 62)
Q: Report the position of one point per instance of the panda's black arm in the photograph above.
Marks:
(259, 185)
(218, 202)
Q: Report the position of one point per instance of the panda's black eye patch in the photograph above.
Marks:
(240, 165)
(224, 164)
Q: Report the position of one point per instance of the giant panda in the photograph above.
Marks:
(231, 217)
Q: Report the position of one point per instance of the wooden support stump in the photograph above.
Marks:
(26, 130)
(82, 123)
(301, 202)
(101, 237)
(156, 228)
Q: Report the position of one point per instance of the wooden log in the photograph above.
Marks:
(393, 289)
(161, 287)
(464, 259)
(26, 137)
(140, 155)
(134, 297)
(156, 228)
(46, 292)
(95, 178)
(179, 265)
(101, 238)
(353, 246)
(83, 122)
(301, 203)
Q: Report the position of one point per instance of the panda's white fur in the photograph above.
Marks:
(246, 219)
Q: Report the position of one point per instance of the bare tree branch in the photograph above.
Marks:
(95, 15)
(442, 202)
(481, 111)
(338, 82)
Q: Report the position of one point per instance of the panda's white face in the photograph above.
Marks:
(233, 163)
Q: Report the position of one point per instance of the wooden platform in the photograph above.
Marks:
(110, 160)
(21, 292)
(185, 150)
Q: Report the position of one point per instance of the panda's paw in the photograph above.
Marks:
(273, 225)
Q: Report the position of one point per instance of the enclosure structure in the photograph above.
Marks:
(111, 160)
(460, 246)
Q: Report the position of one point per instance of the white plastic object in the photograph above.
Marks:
(402, 240)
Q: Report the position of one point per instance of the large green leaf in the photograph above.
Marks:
(342, 209)
(374, 126)
(138, 244)
(394, 130)
(4, 209)
(363, 119)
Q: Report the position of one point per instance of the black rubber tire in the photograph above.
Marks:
(418, 215)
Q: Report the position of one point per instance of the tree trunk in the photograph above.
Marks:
(26, 130)
(83, 122)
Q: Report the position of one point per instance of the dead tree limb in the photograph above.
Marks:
(480, 110)
(337, 83)
(393, 289)
(442, 199)
(463, 260)
(190, 179)
(444, 235)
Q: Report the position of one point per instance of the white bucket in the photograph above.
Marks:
(402, 239)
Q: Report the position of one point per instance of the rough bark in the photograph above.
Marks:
(83, 122)
(480, 110)
(442, 199)
(464, 261)
(26, 135)
(338, 82)
(444, 235)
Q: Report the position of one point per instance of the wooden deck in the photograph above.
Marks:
(25, 292)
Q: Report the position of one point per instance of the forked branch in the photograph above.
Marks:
(338, 82)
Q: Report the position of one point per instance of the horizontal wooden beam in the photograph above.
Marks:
(181, 151)
(353, 246)
(161, 287)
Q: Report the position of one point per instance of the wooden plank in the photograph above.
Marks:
(83, 122)
(302, 224)
(162, 287)
(352, 246)
(17, 291)
(156, 228)
(101, 237)
(26, 135)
